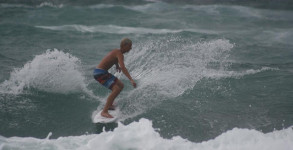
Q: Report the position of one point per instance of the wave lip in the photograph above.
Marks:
(142, 136)
(52, 71)
(114, 29)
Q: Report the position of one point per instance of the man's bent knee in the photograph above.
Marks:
(120, 84)
(117, 87)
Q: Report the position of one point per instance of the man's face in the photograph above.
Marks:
(128, 47)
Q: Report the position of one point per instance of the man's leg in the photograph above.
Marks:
(121, 86)
(116, 89)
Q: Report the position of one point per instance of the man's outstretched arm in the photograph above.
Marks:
(124, 69)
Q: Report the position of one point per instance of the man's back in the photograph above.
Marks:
(109, 60)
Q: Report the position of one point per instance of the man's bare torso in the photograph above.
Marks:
(109, 60)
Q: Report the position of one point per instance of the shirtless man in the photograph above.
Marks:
(108, 80)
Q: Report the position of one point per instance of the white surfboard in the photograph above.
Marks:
(97, 118)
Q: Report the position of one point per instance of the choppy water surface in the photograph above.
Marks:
(210, 75)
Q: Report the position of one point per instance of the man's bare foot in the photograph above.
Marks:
(107, 115)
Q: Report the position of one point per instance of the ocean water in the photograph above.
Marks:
(210, 75)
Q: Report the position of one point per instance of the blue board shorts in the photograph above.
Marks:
(105, 78)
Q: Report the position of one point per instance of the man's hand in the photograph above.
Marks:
(133, 83)
(118, 69)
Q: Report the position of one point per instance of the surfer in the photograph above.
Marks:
(108, 80)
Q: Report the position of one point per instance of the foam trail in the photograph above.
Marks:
(166, 68)
(53, 71)
(142, 136)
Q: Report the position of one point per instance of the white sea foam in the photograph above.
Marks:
(52, 71)
(145, 8)
(48, 4)
(237, 74)
(156, 7)
(170, 67)
(114, 29)
(142, 136)
(166, 68)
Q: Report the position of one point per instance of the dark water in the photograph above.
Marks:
(219, 72)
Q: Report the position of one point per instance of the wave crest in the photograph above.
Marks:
(114, 29)
(52, 71)
(141, 135)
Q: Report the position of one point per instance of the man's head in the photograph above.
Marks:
(125, 45)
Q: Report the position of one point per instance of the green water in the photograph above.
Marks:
(201, 69)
